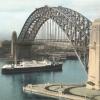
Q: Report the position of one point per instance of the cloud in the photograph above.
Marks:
(26, 5)
(15, 5)
(90, 8)
(13, 13)
(11, 22)
(86, 7)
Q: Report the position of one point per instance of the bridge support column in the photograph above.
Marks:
(94, 57)
(24, 51)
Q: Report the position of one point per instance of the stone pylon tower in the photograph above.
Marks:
(94, 56)
(13, 44)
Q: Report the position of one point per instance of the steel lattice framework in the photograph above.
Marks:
(74, 24)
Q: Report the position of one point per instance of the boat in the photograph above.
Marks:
(31, 66)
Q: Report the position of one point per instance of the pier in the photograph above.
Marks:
(73, 92)
(51, 90)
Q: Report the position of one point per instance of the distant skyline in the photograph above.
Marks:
(13, 13)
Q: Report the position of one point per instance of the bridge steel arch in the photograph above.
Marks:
(74, 24)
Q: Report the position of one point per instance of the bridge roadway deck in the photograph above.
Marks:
(52, 90)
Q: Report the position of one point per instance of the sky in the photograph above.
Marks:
(13, 13)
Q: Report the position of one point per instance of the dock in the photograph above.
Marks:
(52, 90)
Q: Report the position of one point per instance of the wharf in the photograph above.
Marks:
(73, 92)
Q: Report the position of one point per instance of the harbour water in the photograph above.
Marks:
(11, 85)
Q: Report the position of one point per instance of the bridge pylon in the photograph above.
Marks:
(13, 44)
(94, 57)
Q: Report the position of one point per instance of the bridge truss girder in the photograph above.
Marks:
(75, 25)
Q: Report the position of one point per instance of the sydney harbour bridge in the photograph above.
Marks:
(59, 28)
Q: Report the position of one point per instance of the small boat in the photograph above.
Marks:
(31, 66)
